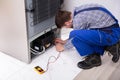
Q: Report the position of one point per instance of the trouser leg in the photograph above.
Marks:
(86, 41)
(90, 41)
(85, 49)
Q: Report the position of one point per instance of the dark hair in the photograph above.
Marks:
(61, 17)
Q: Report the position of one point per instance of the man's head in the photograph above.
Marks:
(63, 18)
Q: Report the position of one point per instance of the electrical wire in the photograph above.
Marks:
(48, 63)
(35, 52)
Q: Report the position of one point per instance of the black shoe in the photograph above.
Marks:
(90, 61)
(115, 52)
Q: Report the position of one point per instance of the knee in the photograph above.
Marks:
(72, 34)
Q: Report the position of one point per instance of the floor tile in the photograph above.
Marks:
(7, 68)
(28, 74)
(65, 64)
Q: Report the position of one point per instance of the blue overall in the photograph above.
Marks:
(92, 41)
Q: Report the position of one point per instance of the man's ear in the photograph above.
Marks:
(66, 23)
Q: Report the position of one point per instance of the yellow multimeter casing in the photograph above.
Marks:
(39, 70)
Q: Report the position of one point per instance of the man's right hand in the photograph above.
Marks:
(58, 40)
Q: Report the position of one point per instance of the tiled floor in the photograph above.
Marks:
(64, 68)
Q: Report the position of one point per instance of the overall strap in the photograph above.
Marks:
(97, 8)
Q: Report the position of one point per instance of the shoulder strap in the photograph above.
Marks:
(96, 8)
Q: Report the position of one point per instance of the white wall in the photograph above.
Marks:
(112, 5)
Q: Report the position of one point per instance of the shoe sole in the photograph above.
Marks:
(94, 65)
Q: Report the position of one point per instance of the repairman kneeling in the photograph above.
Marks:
(94, 28)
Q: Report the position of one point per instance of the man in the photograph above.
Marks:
(94, 29)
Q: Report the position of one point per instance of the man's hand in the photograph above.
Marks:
(58, 40)
(59, 47)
